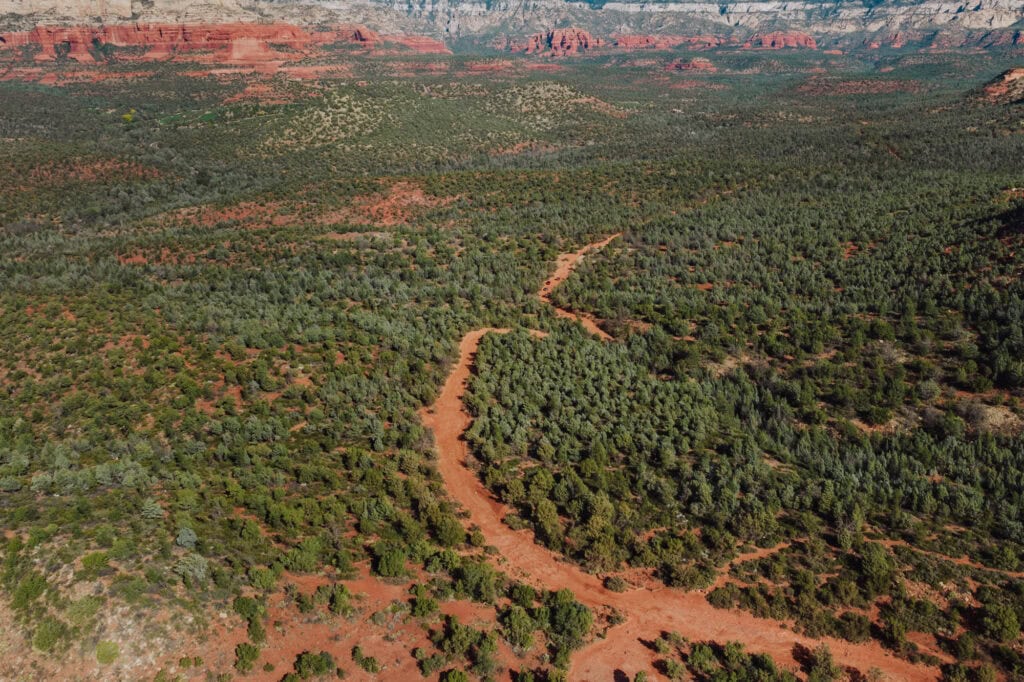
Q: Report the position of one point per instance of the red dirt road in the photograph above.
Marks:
(647, 612)
(563, 268)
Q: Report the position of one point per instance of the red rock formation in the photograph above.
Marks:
(695, 64)
(1006, 88)
(782, 39)
(220, 43)
(559, 42)
(72, 43)
(361, 34)
(664, 42)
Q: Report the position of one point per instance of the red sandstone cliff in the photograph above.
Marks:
(782, 39)
(559, 42)
(233, 43)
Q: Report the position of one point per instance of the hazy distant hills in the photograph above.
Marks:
(927, 23)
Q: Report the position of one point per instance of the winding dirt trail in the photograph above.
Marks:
(647, 612)
(563, 268)
(958, 560)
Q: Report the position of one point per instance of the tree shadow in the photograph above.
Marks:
(803, 656)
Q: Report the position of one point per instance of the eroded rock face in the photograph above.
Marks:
(778, 40)
(664, 42)
(560, 42)
(850, 21)
(571, 41)
(241, 43)
(1006, 88)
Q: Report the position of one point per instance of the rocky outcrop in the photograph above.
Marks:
(695, 64)
(361, 34)
(665, 42)
(778, 40)
(1006, 88)
(846, 24)
(221, 43)
(561, 42)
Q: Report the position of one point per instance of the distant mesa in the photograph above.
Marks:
(242, 43)
(564, 42)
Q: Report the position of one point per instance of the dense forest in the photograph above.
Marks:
(221, 315)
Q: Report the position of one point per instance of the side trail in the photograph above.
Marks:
(647, 612)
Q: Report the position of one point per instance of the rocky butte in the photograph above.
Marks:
(561, 42)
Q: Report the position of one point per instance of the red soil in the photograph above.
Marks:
(647, 612)
(401, 203)
(418, 44)
(492, 66)
(696, 64)
(563, 268)
(754, 555)
(249, 213)
(1008, 86)
(264, 93)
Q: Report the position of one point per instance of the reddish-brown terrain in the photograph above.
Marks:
(1006, 88)
(647, 612)
(563, 268)
(212, 43)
